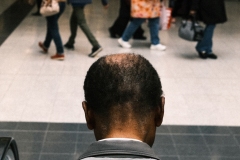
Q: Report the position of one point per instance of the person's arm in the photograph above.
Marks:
(194, 6)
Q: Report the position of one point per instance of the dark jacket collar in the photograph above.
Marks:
(117, 147)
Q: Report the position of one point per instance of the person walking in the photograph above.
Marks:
(141, 10)
(37, 13)
(211, 12)
(119, 25)
(78, 18)
(53, 33)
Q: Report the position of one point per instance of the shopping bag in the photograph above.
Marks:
(191, 30)
(49, 9)
(165, 17)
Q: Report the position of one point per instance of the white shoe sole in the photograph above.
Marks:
(121, 43)
(155, 48)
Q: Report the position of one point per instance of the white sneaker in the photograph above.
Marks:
(159, 47)
(124, 44)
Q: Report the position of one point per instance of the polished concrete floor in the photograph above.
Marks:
(40, 99)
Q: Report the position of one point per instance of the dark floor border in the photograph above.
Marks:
(12, 17)
(66, 141)
(79, 127)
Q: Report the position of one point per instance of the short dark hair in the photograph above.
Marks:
(122, 82)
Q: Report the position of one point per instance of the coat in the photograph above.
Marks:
(208, 11)
(212, 11)
(118, 150)
(145, 8)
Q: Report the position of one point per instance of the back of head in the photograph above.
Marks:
(121, 89)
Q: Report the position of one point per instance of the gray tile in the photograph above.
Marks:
(214, 130)
(163, 139)
(32, 126)
(188, 139)
(195, 158)
(61, 137)
(163, 129)
(192, 150)
(86, 138)
(219, 140)
(169, 158)
(235, 130)
(184, 129)
(83, 127)
(29, 136)
(77, 155)
(28, 156)
(6, 133)
(63, 127)
(30, 147)
(8, 125)
(57, 157)
(82, 147)
(165, 150)
(224, 158)
(51, 147)
(238, 139)
(225, 151)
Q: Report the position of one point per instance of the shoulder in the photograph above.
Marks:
(119, 149)
(105, 158)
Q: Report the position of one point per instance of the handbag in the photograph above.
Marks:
(165, 18)
(49, 9)
(191, 30)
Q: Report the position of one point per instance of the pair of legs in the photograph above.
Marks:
(204, 47)
(118, 27)
(53, 31)
(37, 13)
(78, 19)
(153, 24)
(136, 22)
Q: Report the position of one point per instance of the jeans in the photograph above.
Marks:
(122, 20)
(206, 43)
(136, 22)
(53, 30)
(78, 18)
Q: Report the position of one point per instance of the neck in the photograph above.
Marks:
(127, 132)
(130, 135)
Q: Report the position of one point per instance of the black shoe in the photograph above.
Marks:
(202, 54)
(139, 37)
(112, 34)
(69, 46)
(36, 14)
(212, 56)
(95, 51)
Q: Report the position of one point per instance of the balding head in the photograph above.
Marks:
(122, 91)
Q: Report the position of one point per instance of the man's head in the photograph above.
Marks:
(123, 98)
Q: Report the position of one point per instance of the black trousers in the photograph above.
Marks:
(122, 20)
(39, 2)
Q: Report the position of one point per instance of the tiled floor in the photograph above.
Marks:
(202, 96)
(61, 141)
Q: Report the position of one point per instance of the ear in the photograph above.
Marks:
(160, 112)
(89, 116)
